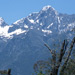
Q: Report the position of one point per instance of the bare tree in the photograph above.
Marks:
(57, 66)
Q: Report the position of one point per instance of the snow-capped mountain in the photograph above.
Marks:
(22, 42)
(48, 20)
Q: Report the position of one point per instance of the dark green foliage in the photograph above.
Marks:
(5, 72)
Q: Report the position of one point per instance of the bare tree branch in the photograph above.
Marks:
(53, 53)
(69, 53)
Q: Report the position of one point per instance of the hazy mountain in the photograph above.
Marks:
(22, 43)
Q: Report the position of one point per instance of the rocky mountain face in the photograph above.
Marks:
(22, 43)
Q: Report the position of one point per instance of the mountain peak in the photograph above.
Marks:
(1, 20)
(47, 7)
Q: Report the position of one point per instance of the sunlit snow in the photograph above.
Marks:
(17, 32)
(25, 26)
(58, 19)
(19, 21)
(31, 20)
(41, 24)
(46, 8)
(4, 31)
(50, 25)
(46, 31)
(37, 21)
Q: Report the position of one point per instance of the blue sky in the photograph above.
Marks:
(12, 10)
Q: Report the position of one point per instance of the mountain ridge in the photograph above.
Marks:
(22, 24)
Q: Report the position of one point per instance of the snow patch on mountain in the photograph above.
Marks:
(47, 31)
(37, 21)
(4, 31)
(19, 21)
(50, 25)
(31, 20)
(41, 24)
(17, 32)
(26, 26)
(58, 19)
(46, 8)
(70, 26)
